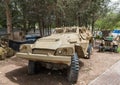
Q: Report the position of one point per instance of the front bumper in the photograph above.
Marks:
(107, 48)
(45, 58)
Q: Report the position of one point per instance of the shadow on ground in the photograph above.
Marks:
(45, 77)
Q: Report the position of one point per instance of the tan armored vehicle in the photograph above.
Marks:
(5, 50)
(60, 50)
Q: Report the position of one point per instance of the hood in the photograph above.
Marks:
(47, 43)
(55, 41)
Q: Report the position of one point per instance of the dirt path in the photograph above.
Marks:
(98, 63)
(14, 71)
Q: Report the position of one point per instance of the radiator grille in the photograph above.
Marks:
(43, 51)
(107, 43)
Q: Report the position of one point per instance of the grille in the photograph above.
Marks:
(43, 51)
(107, 43)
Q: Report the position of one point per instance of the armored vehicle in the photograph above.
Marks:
(5, 50)
(62, 49)
(110, 44)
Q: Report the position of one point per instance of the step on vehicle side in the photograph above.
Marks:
(62, 49)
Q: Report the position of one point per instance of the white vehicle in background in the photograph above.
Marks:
(115, 33)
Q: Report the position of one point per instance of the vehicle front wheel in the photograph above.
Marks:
(101, 49)
(74, 69)
(115, 49)
(31, 67)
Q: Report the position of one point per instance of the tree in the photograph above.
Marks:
(8, 17)
(2, 16)
(110, 21)
(54, 13)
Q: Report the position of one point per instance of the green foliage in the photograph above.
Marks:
(54, 13)
(2, 16)
(111, 21)
(98, 37)
(118, 50)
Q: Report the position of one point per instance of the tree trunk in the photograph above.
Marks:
(40, 30)
(34, 27)
(93, 21)
(80, 21)
(25, 27)
(9, 19)
(43, 27)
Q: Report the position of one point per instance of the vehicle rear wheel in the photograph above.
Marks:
(74, 69)
(31, 67)
(115, 49)
(89, 51)
(101, 49)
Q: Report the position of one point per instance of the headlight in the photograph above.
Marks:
(64, 51)
(103, 42)
(25, 48)
(115, 43)
(112, 43)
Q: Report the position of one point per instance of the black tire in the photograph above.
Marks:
(89, 51)
(101, 49)
(31, 67)
(115, 49)
(74, 69)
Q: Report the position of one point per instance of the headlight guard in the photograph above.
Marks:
(65, 51)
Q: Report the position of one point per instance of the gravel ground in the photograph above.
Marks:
(13, 71)
(98, 63)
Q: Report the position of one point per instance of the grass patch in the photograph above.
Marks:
(118, 50)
